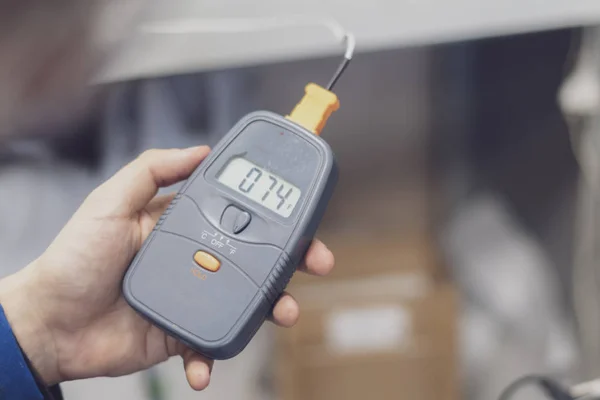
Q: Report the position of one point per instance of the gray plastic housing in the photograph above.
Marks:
(218, 313)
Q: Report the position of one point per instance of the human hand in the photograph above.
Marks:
(66, 308)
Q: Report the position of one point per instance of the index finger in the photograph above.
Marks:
(138, 182)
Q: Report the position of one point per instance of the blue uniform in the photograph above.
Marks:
(17, 380)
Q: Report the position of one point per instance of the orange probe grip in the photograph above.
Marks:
(315, 108)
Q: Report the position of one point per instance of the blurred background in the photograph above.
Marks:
(465, 221)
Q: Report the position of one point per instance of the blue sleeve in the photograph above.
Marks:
(16, 380)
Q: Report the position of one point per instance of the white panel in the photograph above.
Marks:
(368, 330)
(378, 24)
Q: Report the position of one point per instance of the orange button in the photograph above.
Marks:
(207, 261)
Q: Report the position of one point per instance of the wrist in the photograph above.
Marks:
(25, 316)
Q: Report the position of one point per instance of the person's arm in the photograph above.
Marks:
(17, 380)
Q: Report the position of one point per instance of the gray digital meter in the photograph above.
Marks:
(227, 246)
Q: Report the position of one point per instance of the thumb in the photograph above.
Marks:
(132, 188)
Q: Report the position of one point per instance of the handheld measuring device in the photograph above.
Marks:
(225, 249)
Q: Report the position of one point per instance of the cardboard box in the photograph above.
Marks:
(364, 256)
(404, 208)
(369, 339)
(382, 377)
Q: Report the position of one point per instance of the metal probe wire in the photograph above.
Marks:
(350, 46)
(338, 73)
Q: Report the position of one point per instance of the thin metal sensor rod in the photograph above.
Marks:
(341, 68)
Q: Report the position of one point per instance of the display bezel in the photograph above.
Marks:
(239, 172)
(263, 140)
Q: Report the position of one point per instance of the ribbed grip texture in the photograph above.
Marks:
(278, 278)
(164, 216)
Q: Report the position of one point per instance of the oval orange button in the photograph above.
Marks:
(207, 261)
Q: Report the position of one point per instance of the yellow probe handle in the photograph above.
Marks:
(315, 108)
